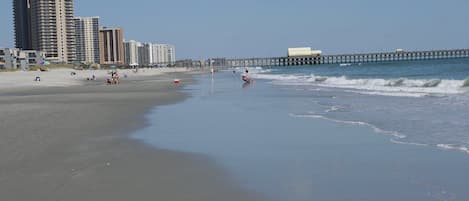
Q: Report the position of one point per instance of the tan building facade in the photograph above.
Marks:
(53, 30)
(111, 46)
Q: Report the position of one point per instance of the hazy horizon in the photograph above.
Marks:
(210, 28)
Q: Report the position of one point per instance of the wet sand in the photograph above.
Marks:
(71, 143)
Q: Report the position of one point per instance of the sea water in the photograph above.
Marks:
(423, 103)
(396, 131)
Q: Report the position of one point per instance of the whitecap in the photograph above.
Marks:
(373, 86)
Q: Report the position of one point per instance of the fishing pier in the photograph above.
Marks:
(318, 59)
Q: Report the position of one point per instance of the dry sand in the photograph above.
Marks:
(71, 144)
(63, 77)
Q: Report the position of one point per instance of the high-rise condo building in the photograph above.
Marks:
(138, 54)
(163, 54)
(22, 23)
(46, 25)
(111, 46)
(145, 54)
(131, 52)
(87, 39)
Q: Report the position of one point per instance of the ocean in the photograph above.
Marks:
(422, 103)
(388, 131)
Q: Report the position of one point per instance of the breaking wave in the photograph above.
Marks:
(466, 83)
(375, 86)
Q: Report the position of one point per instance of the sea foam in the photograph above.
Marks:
(398, 138)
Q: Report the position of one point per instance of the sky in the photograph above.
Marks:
(262, 28)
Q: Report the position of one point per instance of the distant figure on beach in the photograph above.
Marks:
(92, 78)
(245, 76)
(212, 71)
(114, 78)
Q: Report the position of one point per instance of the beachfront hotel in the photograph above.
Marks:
(137, 53)
(163, 54)
(46, 25)
(111, 46)
(145, 54)
(131, 52)
(87, 39)
(148, 54)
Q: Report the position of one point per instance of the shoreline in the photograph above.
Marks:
(73, 143)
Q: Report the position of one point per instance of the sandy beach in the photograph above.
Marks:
(71, 143)
(64, 77)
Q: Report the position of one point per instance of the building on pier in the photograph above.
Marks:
(303, 52)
